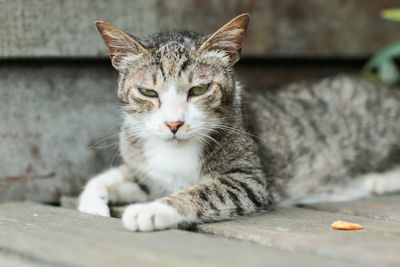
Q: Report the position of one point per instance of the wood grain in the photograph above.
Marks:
(59, 237)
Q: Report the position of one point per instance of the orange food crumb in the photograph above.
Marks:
(342, 225)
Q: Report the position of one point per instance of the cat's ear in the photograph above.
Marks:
(227, 41)
(123, 48)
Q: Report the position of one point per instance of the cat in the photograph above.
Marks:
(198, 148)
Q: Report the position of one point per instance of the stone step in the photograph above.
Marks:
(53, 236)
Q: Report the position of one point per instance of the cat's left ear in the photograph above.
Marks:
(227, 41)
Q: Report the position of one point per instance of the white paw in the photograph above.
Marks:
(150, 216)
(93, 204)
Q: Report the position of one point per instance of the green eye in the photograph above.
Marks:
(148, 92)
(198, 90)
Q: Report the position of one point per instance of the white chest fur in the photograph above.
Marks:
(174, 166)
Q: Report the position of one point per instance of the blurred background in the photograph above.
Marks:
(59, 114)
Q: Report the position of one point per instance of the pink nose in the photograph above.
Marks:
(174, 126)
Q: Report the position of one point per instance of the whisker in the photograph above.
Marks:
(213, 139)
(104, 139)
(115, 144)
(232, 129)
(116, 154)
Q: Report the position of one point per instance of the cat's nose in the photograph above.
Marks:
(174, 126)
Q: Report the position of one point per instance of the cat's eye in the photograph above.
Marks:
(198, 90)
(148, 92)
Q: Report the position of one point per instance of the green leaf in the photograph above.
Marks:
(391, 14)
(383, 61)
(386, 54)
(388, 72)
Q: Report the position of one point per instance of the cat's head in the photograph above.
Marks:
(176, 85)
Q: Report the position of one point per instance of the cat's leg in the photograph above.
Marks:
(114, 185)
(222, 198)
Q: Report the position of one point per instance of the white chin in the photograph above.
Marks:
(176, 139)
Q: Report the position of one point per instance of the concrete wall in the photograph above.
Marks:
(317, 28)
(51, 116)
(57, 88)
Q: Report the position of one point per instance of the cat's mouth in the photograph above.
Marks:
(177, 140)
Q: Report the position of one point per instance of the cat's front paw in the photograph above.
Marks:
(93, 204)
(151, 216)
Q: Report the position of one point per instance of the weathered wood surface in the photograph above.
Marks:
(7, 260)
(307, 230)
(51, 236)
(280, 28)
(384, 208)
(297, 229)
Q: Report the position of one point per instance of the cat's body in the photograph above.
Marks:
(323, 138)
(197, 148)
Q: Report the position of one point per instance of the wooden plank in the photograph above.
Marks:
(8, 260)
(302, 230)
(280, 28)
(59, 237)
(296, 229)
(384, 208)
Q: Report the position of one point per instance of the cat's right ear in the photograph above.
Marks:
(123, 48)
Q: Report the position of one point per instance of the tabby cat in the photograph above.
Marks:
(197, 148)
